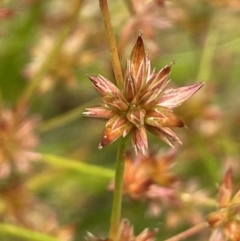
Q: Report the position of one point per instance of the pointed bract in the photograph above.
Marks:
(164, 134)
(136, 116)
(158, 79)
(161, 117)
(137, 56)
(140, 141)
(129, 88)
(103, 86)
(116, 127)
(114, 101)
(99, 112)
(225, 190)
(175, 97)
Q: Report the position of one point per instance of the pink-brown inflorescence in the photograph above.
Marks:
(143, 103)
(225, 221)
(17, 141)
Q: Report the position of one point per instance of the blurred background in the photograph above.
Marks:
(47, 49)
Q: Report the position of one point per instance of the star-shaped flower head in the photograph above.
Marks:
(143, 103)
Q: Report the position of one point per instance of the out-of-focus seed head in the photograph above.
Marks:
(61, 68)
(17, 141)
(226, 220)
(23, 209)
(6, 13)
(144, 103)
(143, 175)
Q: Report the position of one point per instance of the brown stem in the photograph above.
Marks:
(112, 43)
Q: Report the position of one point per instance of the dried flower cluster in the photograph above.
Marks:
(25, 210)
(142, 174)
(17, 141)
(225, 222)
(126, 233)
(62, 68)
(151, 180)
(147, 16)
(144, 103)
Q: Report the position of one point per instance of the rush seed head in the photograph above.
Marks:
(144, 103)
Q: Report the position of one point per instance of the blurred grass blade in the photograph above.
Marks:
(27, 234)
(78, 166)
(66, 118)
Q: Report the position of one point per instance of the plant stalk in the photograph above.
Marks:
(189, 232)
(118, 190)
(112, 43)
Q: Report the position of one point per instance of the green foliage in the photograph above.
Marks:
(72, 175)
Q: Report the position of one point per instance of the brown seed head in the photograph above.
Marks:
(17, 141)
(144, 103)
(227, 218)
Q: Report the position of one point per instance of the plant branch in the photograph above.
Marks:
(189, 232)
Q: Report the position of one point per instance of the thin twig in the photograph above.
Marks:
(189, 232)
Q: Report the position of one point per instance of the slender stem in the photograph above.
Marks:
(189, 232)
(1, 100)
(23, 233)
(205, 66)
(33, 83)
(118, 190)
(112, 43)
(77, 166)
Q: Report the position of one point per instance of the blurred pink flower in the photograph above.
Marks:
(20, 207)
(17, 141)
(62, 68)
(225, 221)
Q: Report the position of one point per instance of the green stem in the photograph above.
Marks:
(27, 234)
(65, 118)
(1, 100)
(78, 166)
(33, 83)
(205, 66)
(189, 232)
(118, 190)
(112, 43)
